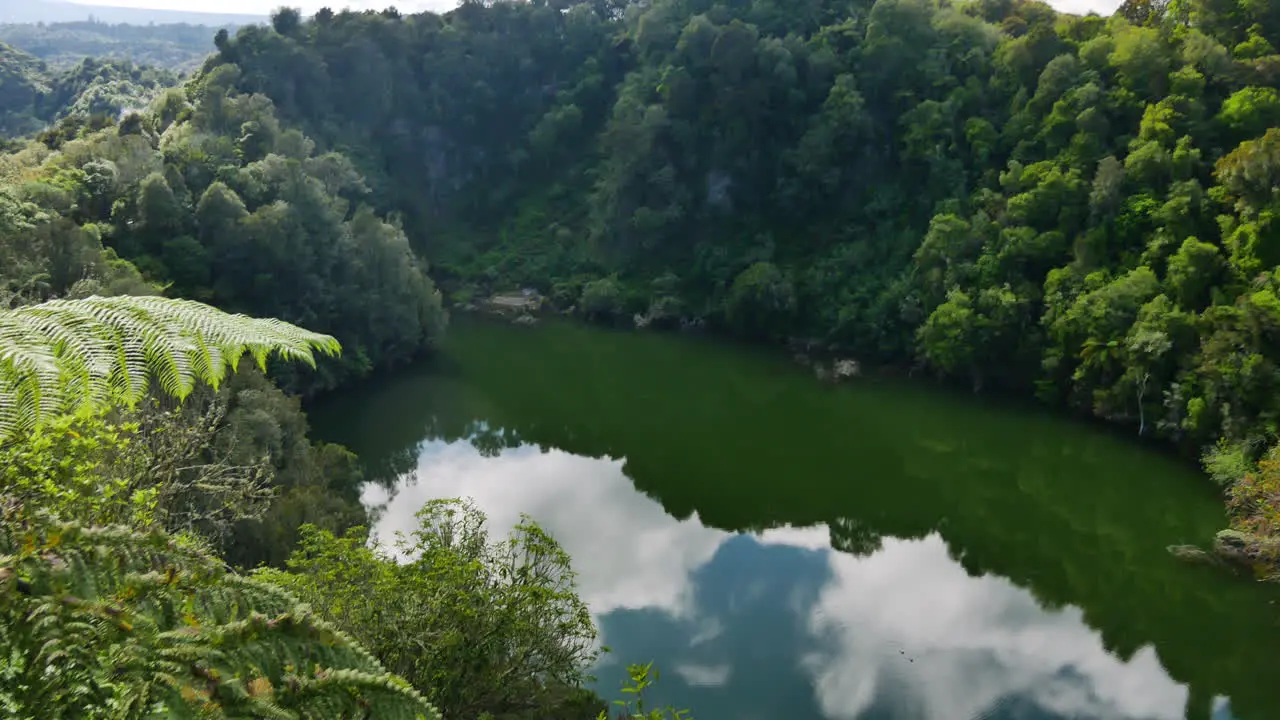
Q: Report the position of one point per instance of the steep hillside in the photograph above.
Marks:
(23, 81)
(1082, 208)
(1077, 208)
(33, 95)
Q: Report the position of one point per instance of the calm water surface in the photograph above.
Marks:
(793, 551)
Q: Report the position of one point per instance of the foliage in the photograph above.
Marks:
(150, 469)
(234, 467)
(209, 195)
(104, 613)
(311, 482)
(761, 300)
(1254, 501)
(71, 356)
(476, 626)
(1080, 208)
(140, 623)
(33, 95)
(1226, 463)
(43, 255)
(639, 679)
(104, 88)
(603, 298)
(21, 83)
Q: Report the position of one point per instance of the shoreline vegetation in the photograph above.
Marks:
(1080, 209)
(1229, 550)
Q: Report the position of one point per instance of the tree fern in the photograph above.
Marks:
(64, 356)
(114, 623)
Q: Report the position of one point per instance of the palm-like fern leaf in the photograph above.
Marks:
(67, 355)
(117, 623)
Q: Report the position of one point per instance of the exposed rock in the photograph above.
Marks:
(691, 325)
(846, 369)
(525, 320)
(665, 312)
(641, 321)
(1191, 553)
(525, 301)
(1235, 547)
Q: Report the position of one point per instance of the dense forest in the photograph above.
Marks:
(179, 47)
(1080, 209)
(1076, 208)
(206, 195)
(33, 94)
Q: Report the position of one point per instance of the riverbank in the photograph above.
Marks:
(1234, 548)
(700, 484)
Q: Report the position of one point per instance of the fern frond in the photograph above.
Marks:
(65, 356)
(95, 618)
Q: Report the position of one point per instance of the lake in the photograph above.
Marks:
(793, 550)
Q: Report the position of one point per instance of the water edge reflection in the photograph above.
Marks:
(776, 623)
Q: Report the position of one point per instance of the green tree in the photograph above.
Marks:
(761, 301)
(1250, 111)
(1050, 168)
(477, 626)
(966, 337)
(602, 299)
(639, 679)
(1193, 272)
(134, 620)
(149, 467)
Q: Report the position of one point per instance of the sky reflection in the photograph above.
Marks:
(779, 625)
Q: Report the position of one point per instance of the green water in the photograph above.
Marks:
(790, 550)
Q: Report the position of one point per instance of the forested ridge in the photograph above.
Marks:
(34, 95)
(164, 519)
(1075, 208)
(173, 46)
(1079, 208)
(1082, 209)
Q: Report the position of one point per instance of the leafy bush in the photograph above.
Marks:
(639, 679)
(603, 299)
(139, 623)
(477, 626)
(103, 620)
(761, 301)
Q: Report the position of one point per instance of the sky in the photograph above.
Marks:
(263, 7)
(979, 641)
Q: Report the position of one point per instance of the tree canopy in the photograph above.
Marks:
(1076, 207)
(1079, 208)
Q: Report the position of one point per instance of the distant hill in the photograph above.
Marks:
(180, 47)
(34, 95)
(22, 84)
(60, 11)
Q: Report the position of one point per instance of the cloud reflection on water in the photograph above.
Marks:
(627, 552)
(903, 632)
(971, 643)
